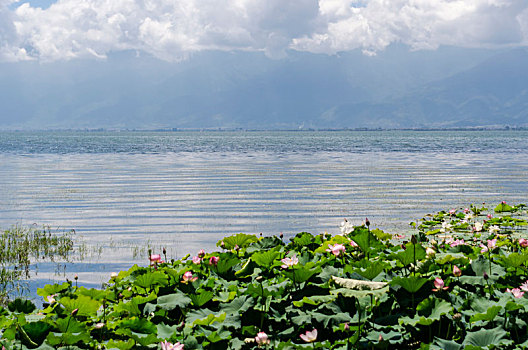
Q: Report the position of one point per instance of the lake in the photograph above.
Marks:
(127, 192)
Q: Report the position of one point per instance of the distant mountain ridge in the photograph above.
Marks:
(397, 89)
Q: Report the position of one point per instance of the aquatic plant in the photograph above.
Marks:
(22, 246)
(315, 291)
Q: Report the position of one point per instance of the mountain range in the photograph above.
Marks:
(446, 88)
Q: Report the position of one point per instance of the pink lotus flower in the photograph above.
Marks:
(353, 244)
(523, 242)
(262, 339)
(490, 245)
(197, 260)
(489, 216)
(201, 253)
(188, 277)
(165, 345)
(51, 298)
(452, 212)
(456, 242)
(456, 271)
(466, 211)
(309, 337)
(398, 236)
(213, 260)
(439, 285)
(155, 258)
(524, 286)
(289, 262)
(336, 249)
(517, 293)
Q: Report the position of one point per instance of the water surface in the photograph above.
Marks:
(124, 192)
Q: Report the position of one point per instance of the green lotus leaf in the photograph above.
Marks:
(37, 331)
(51, 289)
(201, 298)
(241, 240)
(226, 263)
(366, 240)
(204, 317)
(412, 284)
(490, 314)
(265, 243)
(165, 332)
(481, 265)
(444, 258)
(21, 306)
(514, 259)
(503, 207)
(486, 337)
(93, 293)
(372, 271)
(141, 326)
(315, 300)
(303, 239)
(129, 306)
(70, 325)
(67, 338)
(225, 297)
(151, 279)
(86, 306)
(411, 254)
(266, 258)
(238, 305)
(120, 344)
(172, 301)
(381, 235)
(429, 311)
(301, 274)
(444, 344)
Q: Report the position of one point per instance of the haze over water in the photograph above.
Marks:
(123, 192)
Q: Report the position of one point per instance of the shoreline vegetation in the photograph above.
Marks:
(458, 282)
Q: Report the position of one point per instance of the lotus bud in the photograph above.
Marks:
(457, 316)
(74, 312)
(367, 222)
(281, 236)
(456, 271)
(430, 252)
(413, 239)
(485, 275)
(347, 327)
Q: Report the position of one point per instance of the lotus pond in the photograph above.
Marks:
(458, 282)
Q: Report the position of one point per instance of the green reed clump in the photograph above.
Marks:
(22, 246)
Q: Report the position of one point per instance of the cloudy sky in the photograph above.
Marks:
(262, 63)
(173, 30)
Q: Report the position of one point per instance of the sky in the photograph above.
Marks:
(216, 63)
(172, 30)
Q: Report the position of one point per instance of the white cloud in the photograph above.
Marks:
(173, 29)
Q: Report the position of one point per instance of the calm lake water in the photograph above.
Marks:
(126, 192)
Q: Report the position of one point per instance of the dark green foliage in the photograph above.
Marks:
(363, 290)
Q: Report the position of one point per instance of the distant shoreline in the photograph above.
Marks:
(499, 128)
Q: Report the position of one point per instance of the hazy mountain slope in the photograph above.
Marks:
(492, 93)
(397, 88)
